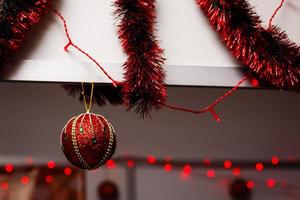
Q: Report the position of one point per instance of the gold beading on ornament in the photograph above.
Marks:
(64, 130)
(112, 138)
(75, 145)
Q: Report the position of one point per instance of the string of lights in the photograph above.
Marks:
(209, 109)
(213, 168)
(47, 171)
(259, 165)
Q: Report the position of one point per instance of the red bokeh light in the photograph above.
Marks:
(254, 82)
(4, 186)
(110, 164)
(210, 173)
(151, 160)
(259, 167)
(9, 168)
(250, 184)
(168, 167)
(271, 183)
(275, 160)
(51, 164)
(236, 171)
(186, 172)
(67, 171)
(49, 179)
(207, 162)
(130, 163)
(25, 180)
(187, 169)
(227, 164)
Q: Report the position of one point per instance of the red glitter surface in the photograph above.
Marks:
(92, 136)
(269, 53)
(19, 18)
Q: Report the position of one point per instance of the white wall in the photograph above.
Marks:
(192, 49)
(256, 124)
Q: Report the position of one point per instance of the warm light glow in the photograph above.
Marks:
(254, 82)
(168, 167)
(51, 164)
(275, 160)
(187, 169)
(130, 163)
(110, 164)
(227, 164)
(4, 186)
(250, 184)
(25, 180)
(49, 179)
(210, 173)
(151, 160)
(68, 171)
(186, 172)
(236, 171)
(271, 183)
(207, 162)
(259, 167)
(9, 168)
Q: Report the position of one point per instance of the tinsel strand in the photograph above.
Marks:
(210, 108)
(16, 20)
(144, 88)
(267, 52)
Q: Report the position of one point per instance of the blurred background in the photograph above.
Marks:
(172, 156)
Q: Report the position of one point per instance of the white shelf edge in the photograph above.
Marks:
(78, 71)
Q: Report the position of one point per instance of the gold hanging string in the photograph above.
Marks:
(91, 97)
(87, 107)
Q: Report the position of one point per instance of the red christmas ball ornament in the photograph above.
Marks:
(88, 140)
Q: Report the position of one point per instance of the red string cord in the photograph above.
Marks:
(71, 43)
(275, 12)
(210, 108)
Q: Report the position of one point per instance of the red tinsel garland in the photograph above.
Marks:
(143, 86)
(74, 90)
(16, 19)
(267, 52)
